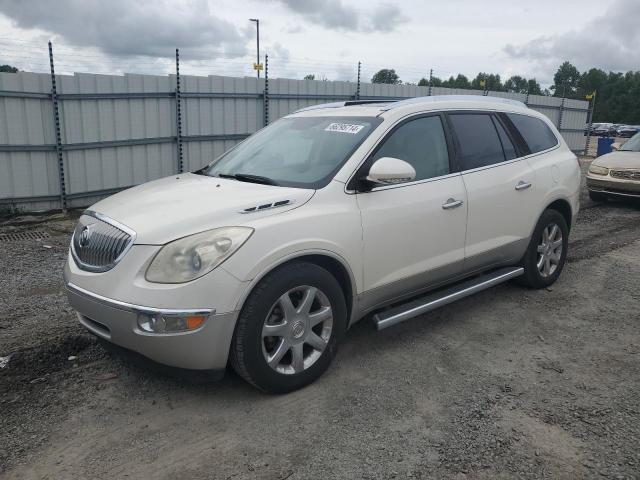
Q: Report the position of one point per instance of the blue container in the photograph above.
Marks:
(604, 146)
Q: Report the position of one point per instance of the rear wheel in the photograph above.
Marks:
(597, 196)
(289, 327)
(547, 251)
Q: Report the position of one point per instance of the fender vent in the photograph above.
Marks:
(266, 206)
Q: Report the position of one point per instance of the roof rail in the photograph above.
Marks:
(463, 98)
(391, 103)
(346, 103)
(365, 102)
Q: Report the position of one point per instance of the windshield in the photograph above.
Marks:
(632, 145)
(301, 152)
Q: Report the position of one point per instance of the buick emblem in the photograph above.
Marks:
(85, 236)
(297, 330)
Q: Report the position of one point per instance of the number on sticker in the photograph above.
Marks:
(344, 128)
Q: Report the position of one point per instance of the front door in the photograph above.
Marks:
(413, 233)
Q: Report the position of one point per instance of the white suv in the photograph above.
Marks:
(337, 212)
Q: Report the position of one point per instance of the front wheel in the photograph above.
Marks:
(289, 327)
(547, 251)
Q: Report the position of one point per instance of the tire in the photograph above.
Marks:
(541, 277)
(267, 310)
(597, 196)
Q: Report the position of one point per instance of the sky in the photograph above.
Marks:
(326, 38)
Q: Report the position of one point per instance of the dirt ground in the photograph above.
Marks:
(509, 383)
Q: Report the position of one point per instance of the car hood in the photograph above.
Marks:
(173, 207)
(619, 160)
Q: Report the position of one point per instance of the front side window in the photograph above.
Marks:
(420, 142)
(479, 144)
(535, 132)
(304, 152)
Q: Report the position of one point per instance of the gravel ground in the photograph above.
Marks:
(509, 383)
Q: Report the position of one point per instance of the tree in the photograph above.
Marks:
(516, 84)
(458, 82)
(435, 82)
(533, 87)
(491, 82)
(388, 76)
(8, 69)
(565, 81)
(593, 80)
(311, 76)
(618, 100)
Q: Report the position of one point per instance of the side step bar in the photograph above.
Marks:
(443, 297)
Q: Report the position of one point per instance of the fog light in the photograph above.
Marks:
(169, 323)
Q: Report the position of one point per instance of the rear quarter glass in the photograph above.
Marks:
(535, 132)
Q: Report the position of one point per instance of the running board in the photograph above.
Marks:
(443, 297)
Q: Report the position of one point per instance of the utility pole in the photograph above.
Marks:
(257, 67)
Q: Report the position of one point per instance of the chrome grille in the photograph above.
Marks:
(626, 174)
(98, 243)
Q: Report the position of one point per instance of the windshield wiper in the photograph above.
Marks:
(246, 177)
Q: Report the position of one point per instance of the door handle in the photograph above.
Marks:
(452, 203)
(522, 185)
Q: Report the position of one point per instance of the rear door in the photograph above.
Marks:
(498, 184)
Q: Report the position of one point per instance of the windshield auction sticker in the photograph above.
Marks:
(344, 128)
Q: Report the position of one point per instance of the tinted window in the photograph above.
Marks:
(478, 140)
(420, 142)
(507, 146)
(534, 131)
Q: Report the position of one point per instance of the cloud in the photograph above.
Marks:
(386, 18)
(335, 15)
(127, 28)
(609, 42)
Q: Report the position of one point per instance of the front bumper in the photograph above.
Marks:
(612, 186)
(206, 348)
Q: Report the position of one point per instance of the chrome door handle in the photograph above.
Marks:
(522, 185)
(452, 203)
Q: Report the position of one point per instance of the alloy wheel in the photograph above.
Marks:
(549, 250)
(297, 330)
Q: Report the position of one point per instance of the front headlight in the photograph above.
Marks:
(596, 170)
(191, 257)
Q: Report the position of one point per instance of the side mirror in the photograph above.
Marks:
(390, 171)
(616, 146)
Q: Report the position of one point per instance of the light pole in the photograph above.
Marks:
(257, 42)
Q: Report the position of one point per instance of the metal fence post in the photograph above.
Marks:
(265, 96)
(178, 115)
(56, 122)
(357, 95)
(560, 115)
